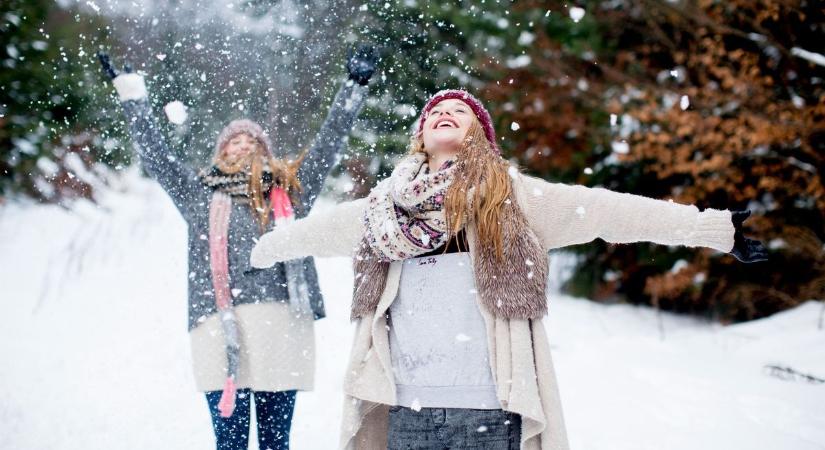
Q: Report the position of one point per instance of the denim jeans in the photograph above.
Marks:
(453, 428)
(273, 411)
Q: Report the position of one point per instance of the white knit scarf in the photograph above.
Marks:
(405, 217)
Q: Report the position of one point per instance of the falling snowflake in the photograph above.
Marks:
(576, 13)
(620, 147)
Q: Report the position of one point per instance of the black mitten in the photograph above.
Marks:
(361, 63)
(745, 249)
(108, 68)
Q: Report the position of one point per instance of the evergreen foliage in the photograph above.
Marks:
(718, 104)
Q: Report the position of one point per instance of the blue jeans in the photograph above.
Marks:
(273, 410)
(453, 428)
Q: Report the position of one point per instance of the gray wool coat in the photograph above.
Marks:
(192, 201)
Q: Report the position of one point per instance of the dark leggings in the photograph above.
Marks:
(273, 411)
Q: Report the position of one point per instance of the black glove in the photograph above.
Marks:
(108, 68)
(361, 63)
(744, 249)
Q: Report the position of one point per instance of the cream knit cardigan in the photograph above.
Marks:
(520, 359)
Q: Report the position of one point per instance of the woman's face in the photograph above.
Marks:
(446, 125)
(239, 147)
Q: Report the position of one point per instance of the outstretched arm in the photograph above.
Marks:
(332, 232)
(571, 214)
(331, 138)
(176, 178)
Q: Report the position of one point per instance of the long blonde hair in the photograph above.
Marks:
(284, 175)
(479, 190)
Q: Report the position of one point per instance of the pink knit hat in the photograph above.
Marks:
(474, 104)
(243, 126)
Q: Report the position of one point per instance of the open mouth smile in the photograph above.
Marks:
(445, 122)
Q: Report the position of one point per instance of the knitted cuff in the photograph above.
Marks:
(264, 253)
(714, 229)
(130, 86)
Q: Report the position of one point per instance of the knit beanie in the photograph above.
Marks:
(243, 126)
(475, 104)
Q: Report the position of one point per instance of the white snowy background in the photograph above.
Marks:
(95, 351)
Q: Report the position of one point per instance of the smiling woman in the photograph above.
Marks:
(251, 331)
(238, 147)
(450, 259)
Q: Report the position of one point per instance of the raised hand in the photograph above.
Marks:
(129, 85)
(106, 63)
(361, 63)
(108, 68)
(744, 249)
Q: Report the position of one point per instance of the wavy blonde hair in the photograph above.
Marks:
(284, 175)
(479, 190)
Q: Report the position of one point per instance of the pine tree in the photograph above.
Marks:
(49, 104)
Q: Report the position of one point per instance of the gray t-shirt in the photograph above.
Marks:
(438, 339)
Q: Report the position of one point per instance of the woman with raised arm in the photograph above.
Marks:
(450, 261)
(251, 331)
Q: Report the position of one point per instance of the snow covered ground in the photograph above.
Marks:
(95, 351)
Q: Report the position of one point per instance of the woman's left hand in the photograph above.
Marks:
(744, 249)
(361, 64)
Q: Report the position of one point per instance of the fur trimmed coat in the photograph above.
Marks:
(520, 357)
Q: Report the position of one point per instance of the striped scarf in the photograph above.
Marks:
(234, 184)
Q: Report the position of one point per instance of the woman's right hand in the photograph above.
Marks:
(108, 68)
(334, 231)
(129, 85)
(103, 57)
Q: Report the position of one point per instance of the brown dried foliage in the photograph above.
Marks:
(753, 136)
